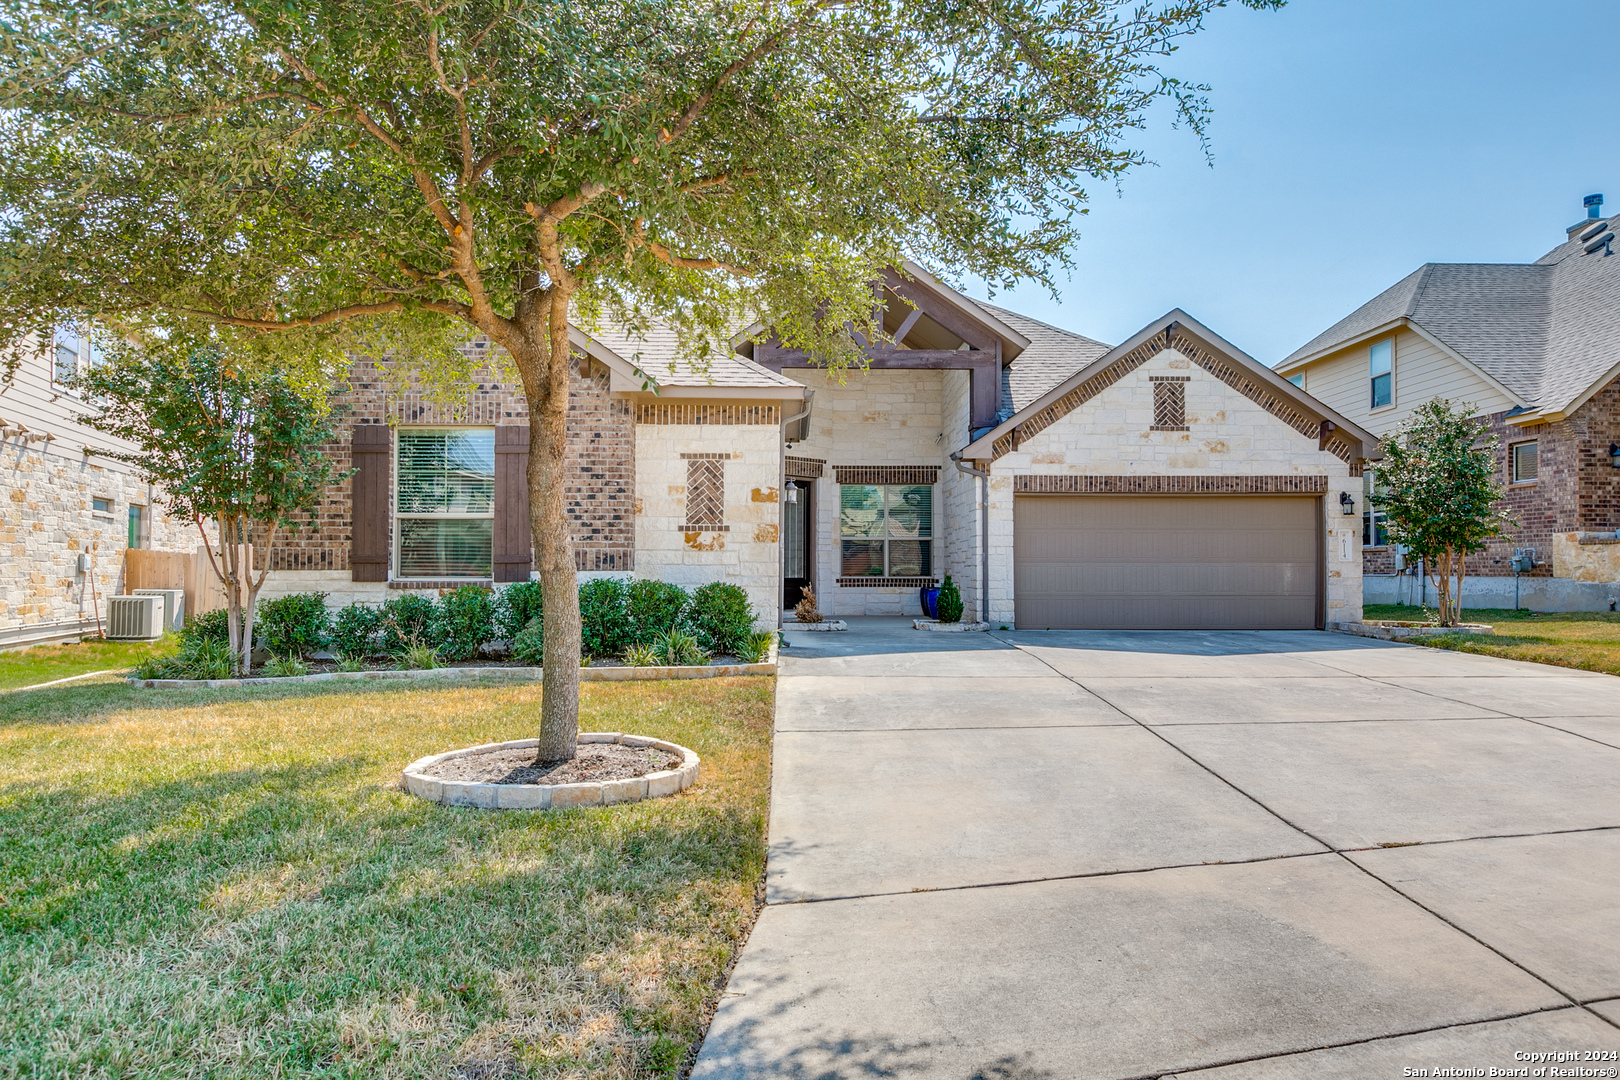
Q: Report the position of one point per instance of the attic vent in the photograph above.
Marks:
(1169, 402)
(1602, 244)
(1593, 231)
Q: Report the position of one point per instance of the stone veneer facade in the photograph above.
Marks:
(48, 520)
(1228, 437)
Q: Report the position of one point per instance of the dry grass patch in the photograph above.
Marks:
(1588, 640)
(229, 883)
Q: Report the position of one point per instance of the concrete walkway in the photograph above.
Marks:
(1141, 854)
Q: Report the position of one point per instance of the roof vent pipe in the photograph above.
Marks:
(1593, 204)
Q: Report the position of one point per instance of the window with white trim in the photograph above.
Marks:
(886, 530)
(74, 353)
(1381, 370)
(444, 499)
(1374, 522)
(1526, 466)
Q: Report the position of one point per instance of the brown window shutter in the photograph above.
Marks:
(372, 450)
(514, 547)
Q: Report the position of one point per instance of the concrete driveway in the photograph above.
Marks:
(1140, 854)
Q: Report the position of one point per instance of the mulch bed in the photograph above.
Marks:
(594, 762)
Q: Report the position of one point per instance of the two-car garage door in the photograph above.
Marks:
(1195, 562)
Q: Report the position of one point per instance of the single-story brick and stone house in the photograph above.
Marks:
(1169, 481)
(1535, 348)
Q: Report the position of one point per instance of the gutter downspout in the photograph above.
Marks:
(781, 472)
(984, 533)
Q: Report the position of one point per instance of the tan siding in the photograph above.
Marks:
(30, 398)
(1422, 372)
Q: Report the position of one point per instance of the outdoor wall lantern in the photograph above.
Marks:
(793, 493)
(1614, 455)
(1347, 503)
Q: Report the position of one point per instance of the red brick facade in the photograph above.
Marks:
(599, 484)
(1577, 489)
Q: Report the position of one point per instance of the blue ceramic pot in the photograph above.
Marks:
(930, 602)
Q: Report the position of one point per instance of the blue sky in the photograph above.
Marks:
(1353, 141)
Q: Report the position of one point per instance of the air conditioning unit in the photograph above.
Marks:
(174, 605)
(134, 618)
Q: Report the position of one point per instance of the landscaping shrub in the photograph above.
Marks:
(466, 621)
(528, 647)
(285, 667)
(209, 626)
(411, 619)
(354, 631)
(641, 656)
(950, 601)
(679, 647)
(294, 625)
(419, 657)
(720, 616)
(603, 623)
(653, 607)
(515, 606)
(199, 657)
(756, 647)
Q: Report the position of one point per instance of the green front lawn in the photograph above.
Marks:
(1589, 640)
(45, 663)
(230, 884)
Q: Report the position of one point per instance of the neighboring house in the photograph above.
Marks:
(62, 500)
(1536, 349)
(1170, 481)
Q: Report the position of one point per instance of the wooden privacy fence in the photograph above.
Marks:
(189, 571)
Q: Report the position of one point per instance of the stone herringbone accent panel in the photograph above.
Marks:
(886, 474)
(705, 492)
(1170, 402)
(684, 412)
(1170, 485)
(804, 468)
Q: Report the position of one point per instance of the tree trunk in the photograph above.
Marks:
(548, 524)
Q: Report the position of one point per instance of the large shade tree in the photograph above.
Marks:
(518, 166)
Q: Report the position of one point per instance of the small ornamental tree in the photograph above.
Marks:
(243, 449)
(1441, 493)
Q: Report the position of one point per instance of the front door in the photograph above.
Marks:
(798, 548)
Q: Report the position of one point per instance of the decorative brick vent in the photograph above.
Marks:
(1169, 402)
(705, 492)
(1170, 485)
(886, 474)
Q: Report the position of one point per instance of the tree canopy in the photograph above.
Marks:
(514, 167)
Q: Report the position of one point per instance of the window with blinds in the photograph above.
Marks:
(445, 502)
(886, 530)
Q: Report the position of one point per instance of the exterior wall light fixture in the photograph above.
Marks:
(1347, 504)
(1614, 455)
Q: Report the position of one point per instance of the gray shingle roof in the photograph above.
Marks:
(656, 354)
(1052, 356)
(1547, 330)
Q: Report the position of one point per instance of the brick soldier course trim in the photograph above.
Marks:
(886, 474)
(873, 582)
(680, 412)
(803, 468)
(706, 457)
(1169, 485)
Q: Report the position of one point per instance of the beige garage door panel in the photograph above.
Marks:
(1164, 561)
